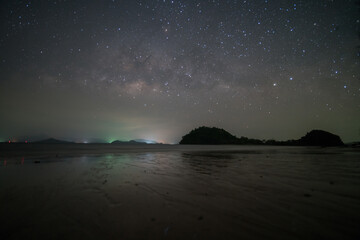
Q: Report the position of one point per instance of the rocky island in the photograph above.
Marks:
(216, 136)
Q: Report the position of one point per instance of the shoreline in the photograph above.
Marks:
(35, 150)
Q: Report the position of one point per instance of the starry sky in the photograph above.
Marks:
(111, 69)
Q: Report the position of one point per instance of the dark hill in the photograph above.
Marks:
(320, 138)
(206, 135)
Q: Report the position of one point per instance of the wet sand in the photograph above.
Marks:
(178, 192)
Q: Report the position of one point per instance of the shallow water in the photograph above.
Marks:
(181, 192)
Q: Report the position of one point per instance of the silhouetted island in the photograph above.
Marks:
(320, 138)
(214, 136)
(207, 135)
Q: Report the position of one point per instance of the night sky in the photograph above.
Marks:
(86, 70)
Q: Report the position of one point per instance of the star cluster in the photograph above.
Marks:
(156, 69)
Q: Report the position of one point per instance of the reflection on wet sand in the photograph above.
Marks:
(207, 162)
(187, 194)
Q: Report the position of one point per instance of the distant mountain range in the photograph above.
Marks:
(57, 141)
(135, 142)
(53, 141)
(145, 141)
(214, 136)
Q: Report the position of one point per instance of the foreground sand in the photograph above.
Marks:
(179, 192)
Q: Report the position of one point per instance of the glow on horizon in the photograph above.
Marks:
(110, 140)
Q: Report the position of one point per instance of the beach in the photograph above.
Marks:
(102, 191)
